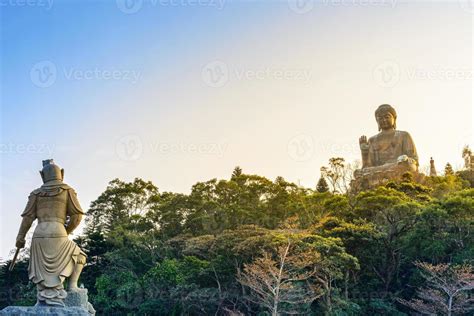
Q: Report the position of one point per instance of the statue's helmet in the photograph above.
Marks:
(51, 171)
(384, 108)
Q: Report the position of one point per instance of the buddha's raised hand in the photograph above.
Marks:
(363, 143)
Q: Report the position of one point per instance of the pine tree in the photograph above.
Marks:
(322, 185)
(237, 172)
(448, 170)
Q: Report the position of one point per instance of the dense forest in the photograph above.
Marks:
(252, 246)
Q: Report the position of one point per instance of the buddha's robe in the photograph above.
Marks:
(387, 147)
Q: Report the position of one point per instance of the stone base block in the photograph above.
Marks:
(79, 298)
(77, 304)
(43, 310)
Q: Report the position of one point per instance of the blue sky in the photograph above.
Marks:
(183, 91)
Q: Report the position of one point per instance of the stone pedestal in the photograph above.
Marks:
(369, 178)
(79, 298)
(77, 304)
(43, 310)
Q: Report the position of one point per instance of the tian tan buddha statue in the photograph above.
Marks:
(53, 256)
(388, 154)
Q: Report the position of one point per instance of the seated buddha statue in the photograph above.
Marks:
(390, 152)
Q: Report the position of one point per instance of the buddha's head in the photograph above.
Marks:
(386, 117)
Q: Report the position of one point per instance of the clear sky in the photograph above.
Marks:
(180, 91)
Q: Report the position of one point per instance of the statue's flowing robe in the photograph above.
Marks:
(52, 255)
(387, 147)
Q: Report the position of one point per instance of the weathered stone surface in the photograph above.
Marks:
(370, 180)
(387, 155)
(53, 256)
(77, 303)
(79, 298)
(44, 310)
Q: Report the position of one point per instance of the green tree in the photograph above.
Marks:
(448, 170)
(443, 185)
(335, 174)
(394, 213)
(413, 189)
(322, 185)
(15, 289)
(361, 239)
(167, 253)
(120, 203)
(339, 174)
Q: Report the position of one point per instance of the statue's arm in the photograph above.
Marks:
(29, 215)
(24, 227)
(409, 147)
(74, 211)
(74, 221)
(364, 149)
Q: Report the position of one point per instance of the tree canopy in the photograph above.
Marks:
(248, 245)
